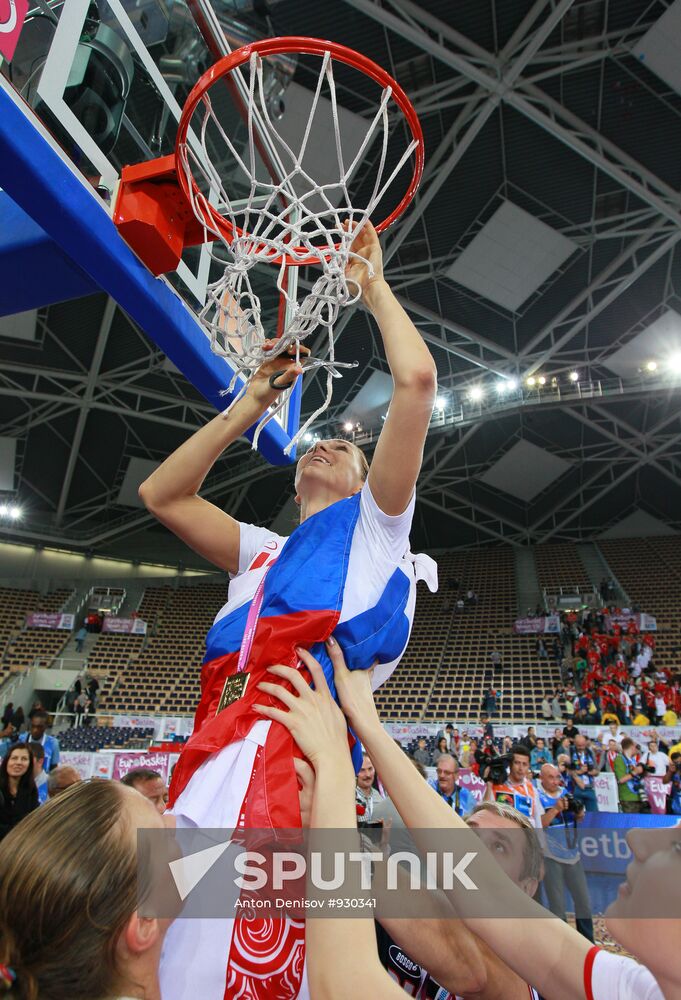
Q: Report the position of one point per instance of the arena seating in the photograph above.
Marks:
(448, 657)
(559, 566)
(20, 646)
(164, 675)
(110, 653)
(105, 737)
(649, 570)
(446, 669)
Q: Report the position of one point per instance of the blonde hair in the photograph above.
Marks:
(68, 886)
(533, 860)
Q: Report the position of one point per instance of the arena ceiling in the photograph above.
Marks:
(553, 158)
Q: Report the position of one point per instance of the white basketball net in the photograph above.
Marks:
(278, 220)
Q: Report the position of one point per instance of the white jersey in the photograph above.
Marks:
(615, 977)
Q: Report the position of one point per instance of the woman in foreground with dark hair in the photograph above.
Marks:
(18, 792)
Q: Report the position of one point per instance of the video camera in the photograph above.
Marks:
(498, 767)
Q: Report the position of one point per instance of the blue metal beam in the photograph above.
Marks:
(41, 183)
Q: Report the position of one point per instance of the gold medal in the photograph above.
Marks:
(234, 688)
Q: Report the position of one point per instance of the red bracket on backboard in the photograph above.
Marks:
(153, 215)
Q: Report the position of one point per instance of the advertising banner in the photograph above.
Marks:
(180, 725)
(644, 623)
(103, 765)
(127, 760)
(657, 792)
(605, 786)
(44, 619)
(474, 784)
(539, 624)
(81, 760)
(603, 842)
(137, 722)
(124, 626)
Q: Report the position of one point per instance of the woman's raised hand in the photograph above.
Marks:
(366, 246)
(260, 388)
(312, 717)
(354, 691)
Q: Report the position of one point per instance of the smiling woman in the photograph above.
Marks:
(346, 569)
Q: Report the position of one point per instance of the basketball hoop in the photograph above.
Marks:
(290, 222)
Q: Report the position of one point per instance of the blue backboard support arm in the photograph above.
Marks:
(42, 183)
(35, 271)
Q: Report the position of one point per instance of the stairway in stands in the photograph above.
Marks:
(597, 568)
(526, 580)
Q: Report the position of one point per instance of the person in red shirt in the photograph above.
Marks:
(649, 640)
(632, 627)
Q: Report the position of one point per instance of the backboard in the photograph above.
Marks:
(92, 87)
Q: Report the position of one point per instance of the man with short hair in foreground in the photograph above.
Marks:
(60, 779)
(150, 784)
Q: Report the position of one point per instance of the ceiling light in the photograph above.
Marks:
(651, 366)
(531, 381)
(542, 380)
(348, 426)
(476, 393)
(574, 376)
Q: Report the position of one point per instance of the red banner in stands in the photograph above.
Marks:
(43, 619)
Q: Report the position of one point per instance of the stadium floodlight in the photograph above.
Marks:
(574, 376)
(541, 380)
(14, 513)
(348, 426)
(476, 393)
(674, 363)
(440, 402)
(506, 385)
(307, 438)
(4, 510)
(531, 381)
(651, 366)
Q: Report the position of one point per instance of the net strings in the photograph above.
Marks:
(278, 220)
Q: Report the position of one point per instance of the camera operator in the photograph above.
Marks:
(583, 771)
(516, 789)
(484, 755)
(629, 774)
(673, 776)
(562, 861)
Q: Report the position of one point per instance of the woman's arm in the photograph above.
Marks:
(539, 948)
(399, 452)
(318, 727)
(171, 492)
